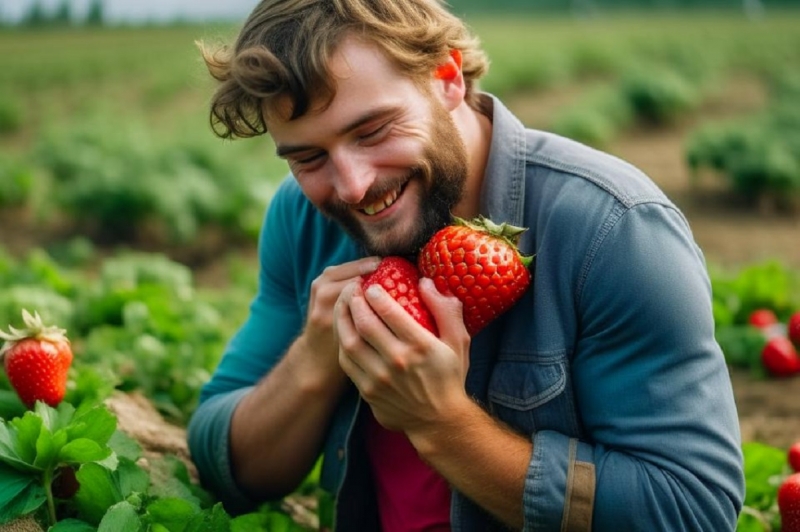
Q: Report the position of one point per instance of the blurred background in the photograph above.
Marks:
(123, 218)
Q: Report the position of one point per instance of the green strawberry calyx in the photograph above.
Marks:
(506, 232)
(34, 328)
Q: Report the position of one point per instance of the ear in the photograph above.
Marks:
(449, 79)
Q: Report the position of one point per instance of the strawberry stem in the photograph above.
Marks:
(47, 482)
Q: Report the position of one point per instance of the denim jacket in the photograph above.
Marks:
(608, 363)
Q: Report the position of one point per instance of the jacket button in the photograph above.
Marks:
(340, 454)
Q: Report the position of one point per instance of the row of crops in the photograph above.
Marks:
(105, 149)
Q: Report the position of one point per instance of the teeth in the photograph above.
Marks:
(382, 204)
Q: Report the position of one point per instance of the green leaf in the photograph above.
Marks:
(763, 468)
(121, 517)
(28, 428)
(252, 522)
(131, 478)
(72, 525)
(12, 484)
(125, 446)
(98, 492)
(20, 497)
(83, 450)
(54, 418)
(9, 455)
(48, 446)
(213, 519)
(173, 513)
(96, 424)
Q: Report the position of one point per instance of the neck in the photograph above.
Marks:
(476, 132)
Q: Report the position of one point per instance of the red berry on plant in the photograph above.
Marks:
(762, 318)
(794, 457)
(780, 357)
(36, 359)
(789, 503)
(793, 329)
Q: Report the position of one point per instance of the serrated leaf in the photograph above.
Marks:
(48, 447)
(131, 478)
(214, 519)
(54, 418)
(72, 525)
(125, 446)
(121, 517)
(98, 492)
(83, 450)
(96, 424)
(12, 483)
(9, 455)
(252, 522)
(174, 514)
(27, 497)
(26, 433)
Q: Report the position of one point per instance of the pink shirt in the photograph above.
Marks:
(411, 495)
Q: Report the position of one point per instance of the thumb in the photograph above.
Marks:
(446, 309)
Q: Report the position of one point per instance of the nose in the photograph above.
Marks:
(353, 177)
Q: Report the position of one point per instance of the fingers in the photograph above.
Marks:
(446, 310)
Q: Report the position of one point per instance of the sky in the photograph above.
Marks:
(142, 10)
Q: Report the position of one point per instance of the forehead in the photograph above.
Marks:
(365, 78)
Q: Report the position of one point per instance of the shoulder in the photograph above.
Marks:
(551, 156)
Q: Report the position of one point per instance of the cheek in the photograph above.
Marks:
(315, 188)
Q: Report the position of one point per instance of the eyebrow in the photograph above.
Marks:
(285, 150)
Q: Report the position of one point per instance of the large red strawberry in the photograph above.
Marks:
(400, 278)
(789, 503)
(793, 329)
(36, 359)
(780, 357)
(478, 262)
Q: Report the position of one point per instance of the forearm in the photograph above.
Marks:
(277, 429)
(481, 458)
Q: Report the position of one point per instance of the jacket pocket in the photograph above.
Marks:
(532, 392)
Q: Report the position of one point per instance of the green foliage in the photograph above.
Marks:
(659, 96)
(737, 294)
(765, 467)
(595, 120)
(759, 154)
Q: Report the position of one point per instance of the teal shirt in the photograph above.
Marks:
(608, 363)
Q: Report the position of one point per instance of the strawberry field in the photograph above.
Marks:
(125, 222)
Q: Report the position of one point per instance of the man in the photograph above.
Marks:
(600, 401)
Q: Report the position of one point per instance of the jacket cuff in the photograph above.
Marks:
(561, 482)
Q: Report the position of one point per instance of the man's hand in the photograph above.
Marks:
(318, 336)
(410, 378)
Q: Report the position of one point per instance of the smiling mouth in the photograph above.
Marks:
(383, 203)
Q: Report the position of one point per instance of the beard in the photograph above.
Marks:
(441, 173)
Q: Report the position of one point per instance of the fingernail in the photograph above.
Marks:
(374, 292)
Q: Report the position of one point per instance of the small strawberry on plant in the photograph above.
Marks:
(793, 329)
(762, 318)
(789, 503)
(478, 262)
(794, 457)
(780, 357)
(400, 278)
(36, 359)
